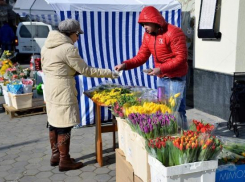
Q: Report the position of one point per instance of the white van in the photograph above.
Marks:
(31, 37)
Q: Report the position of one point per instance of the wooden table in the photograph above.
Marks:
(101, 129)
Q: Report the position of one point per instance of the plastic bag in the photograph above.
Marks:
(211, 146)
(149, 96)
(139, 90)
(15, 87)
(27, 85)
(170, 92)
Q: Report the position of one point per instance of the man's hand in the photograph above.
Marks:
(155, 72)
(120, 67)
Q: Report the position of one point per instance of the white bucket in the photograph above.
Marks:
(6, 98)
(20, 101)
(27, 89)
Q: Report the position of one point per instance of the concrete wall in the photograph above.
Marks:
(240, 57)
(216, 61)
(220, 56)
(212, 91)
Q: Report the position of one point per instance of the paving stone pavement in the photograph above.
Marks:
(25, 150)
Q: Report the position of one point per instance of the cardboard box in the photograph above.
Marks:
(136, 154)
(137, 179)
(140, 165)
(124, 170)
(121, 124)
(131, 147)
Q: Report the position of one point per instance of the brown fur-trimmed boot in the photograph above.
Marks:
(66, 163)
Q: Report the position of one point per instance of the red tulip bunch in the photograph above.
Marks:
(184, 149)
(201, 127)
(159, 147)
(192, 146)
(209, 148)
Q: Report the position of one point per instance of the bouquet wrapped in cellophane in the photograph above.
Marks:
(127, 100)
(107, 93)
(234, 151)
(153, 125)
(190, 147)
(152, 118)
(124, 101)
(170, 92)
(201, 126)
(159, 148)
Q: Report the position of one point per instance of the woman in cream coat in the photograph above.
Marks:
(60, 62)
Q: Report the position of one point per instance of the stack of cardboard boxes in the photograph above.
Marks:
(124, 170)
(131, 157)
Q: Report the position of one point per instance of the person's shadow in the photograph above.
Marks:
(107, 159)
(222, 130)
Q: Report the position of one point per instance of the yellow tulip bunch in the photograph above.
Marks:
(148, 108)
(6, 54)
(5, 65)
(172, 101)
(108, 97)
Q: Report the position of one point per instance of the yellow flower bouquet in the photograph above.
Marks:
(148, 108)
(7, 55)
(109, 97)
(4, 65)
(5, 62)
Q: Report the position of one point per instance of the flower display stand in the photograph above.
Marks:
(190, 172)
(102, 129)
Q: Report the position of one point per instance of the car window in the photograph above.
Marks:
(42, 31)
(25, 31)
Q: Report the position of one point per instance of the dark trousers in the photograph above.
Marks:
(6, 46)
(60, 131)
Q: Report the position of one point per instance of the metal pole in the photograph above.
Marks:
(31, 28)
(34, 72)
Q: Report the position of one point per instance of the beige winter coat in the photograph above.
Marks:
(60, 62)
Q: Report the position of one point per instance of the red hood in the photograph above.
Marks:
(151, 15)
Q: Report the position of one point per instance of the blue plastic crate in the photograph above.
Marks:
(230, 173)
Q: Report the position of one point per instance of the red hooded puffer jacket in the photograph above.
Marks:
(168, 46)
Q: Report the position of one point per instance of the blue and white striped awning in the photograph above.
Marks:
(109, 38)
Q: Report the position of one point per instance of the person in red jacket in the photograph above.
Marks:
(167, 44)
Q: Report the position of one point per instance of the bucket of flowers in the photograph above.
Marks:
(193, 154)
